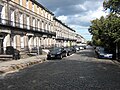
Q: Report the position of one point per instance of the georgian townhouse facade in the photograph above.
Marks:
(65, 36)
(25, 24)
(80, 39)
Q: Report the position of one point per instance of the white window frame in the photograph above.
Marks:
(38, 10)
(3, 15)
(42, 25)
(12, 19)
(49, 27)
(38, 24)
(21, 20)
(33, 23)
(46, 26)
(27, 4)
(28, 22)
(1, 7)
(21, 2)
(33, 7)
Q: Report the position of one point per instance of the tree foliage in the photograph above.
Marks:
(106, 31)
(113, 5)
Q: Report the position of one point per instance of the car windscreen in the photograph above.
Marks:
(55, 49)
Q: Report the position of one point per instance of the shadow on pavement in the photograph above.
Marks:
(87, 53)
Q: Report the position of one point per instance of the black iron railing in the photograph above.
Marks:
(63, 38)
(14, 24)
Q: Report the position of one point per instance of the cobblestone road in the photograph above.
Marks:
(81, 71)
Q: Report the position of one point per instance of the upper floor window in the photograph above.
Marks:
(32, 6)
(21, 2)
(21, 20)
(38, 24)
(12, 17)
(46, 14)
(1, 13)
(1, 9)
(43, 13)
(49, 27)
(27, 4)
(28, 22)
(42, 25)
(46, 26)
(33, 23)
(38, 9)
(49, 17)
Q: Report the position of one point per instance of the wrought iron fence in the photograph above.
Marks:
(6, 22)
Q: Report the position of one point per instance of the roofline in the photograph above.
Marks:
(63, 24)
(36, 2)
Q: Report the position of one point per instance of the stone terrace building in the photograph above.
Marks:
(65, 36)
(80, 39)
(25, 24)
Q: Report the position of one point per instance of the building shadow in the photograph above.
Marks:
(87, 53)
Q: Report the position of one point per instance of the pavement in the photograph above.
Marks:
(13, 65)
(80, 71)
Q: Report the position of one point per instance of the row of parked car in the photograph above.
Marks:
(55, 52)
(60, 52)
(102, 53)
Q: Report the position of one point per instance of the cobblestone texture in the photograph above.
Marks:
(81, 71)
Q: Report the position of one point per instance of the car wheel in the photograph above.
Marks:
(99, 57)
(48, 58)
(66, 54)
(60, 57)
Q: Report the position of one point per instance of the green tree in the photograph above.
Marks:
(113, 5)
(106, 30)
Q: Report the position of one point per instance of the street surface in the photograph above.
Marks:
(80, 71)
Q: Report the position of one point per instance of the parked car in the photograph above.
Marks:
(73, 49)
(76, 48)
(14, 52)
(81, 48)
(57, 52)
(68, 50)
(35, 51)
(102, 53)
(98, 48)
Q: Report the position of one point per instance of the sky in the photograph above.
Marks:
(77, 14)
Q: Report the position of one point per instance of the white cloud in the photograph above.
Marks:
(81, 6)
(63, 18)
(98, 13)
(77, 14)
